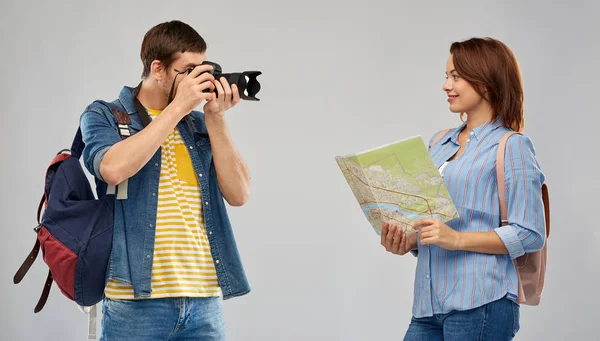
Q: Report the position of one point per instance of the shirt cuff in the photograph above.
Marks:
(511, 241)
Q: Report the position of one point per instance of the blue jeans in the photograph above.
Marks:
(163, 319)
(495, 321)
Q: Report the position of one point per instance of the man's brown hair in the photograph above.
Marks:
(164, 40)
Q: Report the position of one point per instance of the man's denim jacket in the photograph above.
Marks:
(135, 217)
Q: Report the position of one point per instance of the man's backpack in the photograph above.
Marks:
(531, 267)
(76, 229)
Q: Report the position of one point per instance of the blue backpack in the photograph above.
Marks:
(76, 229)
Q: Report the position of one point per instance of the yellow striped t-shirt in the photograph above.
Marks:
(183, 264)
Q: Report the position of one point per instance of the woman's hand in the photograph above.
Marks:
(396, 241)
(436, 232)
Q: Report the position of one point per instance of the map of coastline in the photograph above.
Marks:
(397, 183)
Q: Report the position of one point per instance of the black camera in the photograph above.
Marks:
(246, 82)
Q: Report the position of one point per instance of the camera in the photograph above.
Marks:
(246, 82)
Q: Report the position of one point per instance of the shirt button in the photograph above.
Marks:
(217, 261)
(200, 174)
(206, 203)
(150, 225)
(468, 140)
(191, 147)
(427, 276)
(472, 133)
(153, 194)
(156, 164)
(147, 256)
(210, 232)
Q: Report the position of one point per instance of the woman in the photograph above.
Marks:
(466, 283)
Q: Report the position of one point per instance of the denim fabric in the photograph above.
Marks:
(135, 217)
(495, 321)
(163, 319)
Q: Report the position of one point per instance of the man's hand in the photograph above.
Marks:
(396, 241)
(190, 91)
(436, 232)
(228, 97)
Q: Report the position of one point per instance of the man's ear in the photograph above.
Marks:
(157, 70)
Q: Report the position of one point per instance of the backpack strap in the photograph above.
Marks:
(92, 316)
(502, 188)
(546, 200)
(77, 144)
(34, 252)
(439, 137)
(121, 117)
(500, 177)
(23, 270)
(123, 122)
(45, 293)
(92, 313)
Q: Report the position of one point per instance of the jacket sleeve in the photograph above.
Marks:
(98, 133)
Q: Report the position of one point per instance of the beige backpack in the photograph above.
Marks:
(531, 267)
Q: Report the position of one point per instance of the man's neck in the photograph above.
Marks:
(151, 95)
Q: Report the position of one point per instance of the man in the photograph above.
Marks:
(174, 256)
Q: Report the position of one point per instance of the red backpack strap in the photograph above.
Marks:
(439, 137)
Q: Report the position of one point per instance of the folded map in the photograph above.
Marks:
(397, 183)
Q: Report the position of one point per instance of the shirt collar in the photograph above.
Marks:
(126, 97)
(476, 133)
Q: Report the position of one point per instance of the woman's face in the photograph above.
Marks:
(461, 94)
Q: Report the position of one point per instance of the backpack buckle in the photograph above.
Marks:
(37, 228)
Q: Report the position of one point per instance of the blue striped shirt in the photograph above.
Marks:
(460, 280)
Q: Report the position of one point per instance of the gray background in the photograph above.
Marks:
(339, 77)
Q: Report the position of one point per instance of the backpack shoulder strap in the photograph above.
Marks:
(546, 200)
(501, 186)
(121, 117)
(123, 122)
(500, 177)
(439, 137)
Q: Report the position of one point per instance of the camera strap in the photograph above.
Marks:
(141, 110)
(145, 117)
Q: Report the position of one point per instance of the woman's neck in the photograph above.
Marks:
(479, 116)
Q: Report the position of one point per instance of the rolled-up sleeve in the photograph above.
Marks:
(526, 229)
(98, 134)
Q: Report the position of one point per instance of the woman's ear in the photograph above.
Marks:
(484, 92)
